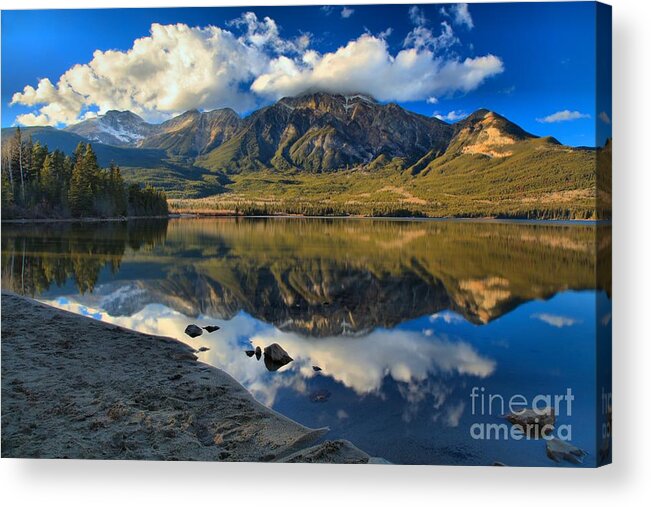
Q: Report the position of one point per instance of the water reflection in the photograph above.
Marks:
(37, 257)
(402, 318)
(316, 277)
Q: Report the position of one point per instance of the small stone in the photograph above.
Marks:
(316, 368)
(249, 353)
(534, 422)
(258, 353)
(211, 329)
(193, 331)
(559, 450)
(203, 349)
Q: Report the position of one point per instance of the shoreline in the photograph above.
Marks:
(75, 387)
(84, 220)
(184, 215)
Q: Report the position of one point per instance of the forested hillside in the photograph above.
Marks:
(39, 183)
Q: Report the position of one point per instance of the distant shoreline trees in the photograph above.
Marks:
(37, 183)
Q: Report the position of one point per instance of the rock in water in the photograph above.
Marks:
(534, 422)
(275, 357)
(211, 329)
(558, 450)
(258, 353)
(193, 331)
(249, 352)
(203, 349)
(316, 368)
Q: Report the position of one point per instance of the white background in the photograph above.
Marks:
(627, 482)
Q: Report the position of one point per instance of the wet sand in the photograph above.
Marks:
(73, 387)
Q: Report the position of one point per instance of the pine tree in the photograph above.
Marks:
(80, 195)
(39, 153)
(49, 181)
(7, 194)
(117, 191)
(17, 161)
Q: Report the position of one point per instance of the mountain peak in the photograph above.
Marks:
(189, 112)
(480, 114)
(118, 128)
(487, 133)
(125, 113)
(483, 119)
(321, 99)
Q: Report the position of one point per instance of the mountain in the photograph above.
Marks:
(323, 132)
(118, 128)
(193, 133)
(322, 153)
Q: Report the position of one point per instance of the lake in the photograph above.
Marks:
(422, 330)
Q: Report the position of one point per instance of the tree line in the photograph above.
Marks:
(39, 183)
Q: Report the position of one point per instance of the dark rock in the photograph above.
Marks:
(203, 349)
(275, 357)
(249, 353)
(535, 423)
(320, 396)
(211, 329)
(316, 368)
(559, 450)
(193, 331)
(276, 354)
(258, 353)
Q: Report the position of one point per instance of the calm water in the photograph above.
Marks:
(407, 319)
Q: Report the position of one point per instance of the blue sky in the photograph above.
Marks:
(534, 63)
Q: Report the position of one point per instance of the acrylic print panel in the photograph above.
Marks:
(361, 234)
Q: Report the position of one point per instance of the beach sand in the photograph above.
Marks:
(74, 387)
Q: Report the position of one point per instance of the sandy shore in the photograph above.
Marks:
(73, 387)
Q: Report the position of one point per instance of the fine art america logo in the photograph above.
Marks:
(520, 417)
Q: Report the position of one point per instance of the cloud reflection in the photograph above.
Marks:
(361, 363)
(555, 320)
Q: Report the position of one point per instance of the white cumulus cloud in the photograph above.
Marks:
(565, 115)
(177, 67)
(366, 65)
(173, 69)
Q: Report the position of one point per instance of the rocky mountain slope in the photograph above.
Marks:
(117, 128)
(323, 153)
(322, 132)
(193, 133)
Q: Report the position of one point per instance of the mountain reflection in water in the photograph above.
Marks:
(403, 317)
